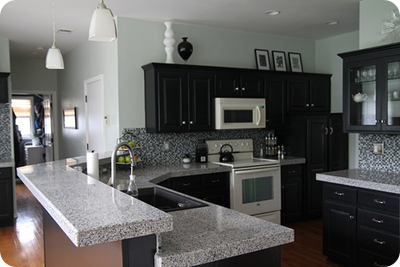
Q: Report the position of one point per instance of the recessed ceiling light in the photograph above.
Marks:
(39, 47)
(64, 31)
(272, 12)
(34, 53)
(331, 23)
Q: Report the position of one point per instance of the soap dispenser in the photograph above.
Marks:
(132, 187)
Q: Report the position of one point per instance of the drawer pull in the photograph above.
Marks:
(379, 242)
(377, 221)
(379, 265)
(186, 184)
(291, 171)
(215, 181)
(352, 217)
(339, 193)
(382, 202)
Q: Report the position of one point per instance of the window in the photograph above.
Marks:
(23, 109)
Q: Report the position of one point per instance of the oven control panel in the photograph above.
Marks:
(238, 145)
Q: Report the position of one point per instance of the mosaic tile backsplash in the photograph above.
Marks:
(152, 145)
(5, 131)
(389, 161)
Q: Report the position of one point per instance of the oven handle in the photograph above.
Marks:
(256, 170)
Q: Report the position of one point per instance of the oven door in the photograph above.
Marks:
(256, 190)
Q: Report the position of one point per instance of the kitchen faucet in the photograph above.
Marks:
(114, 161)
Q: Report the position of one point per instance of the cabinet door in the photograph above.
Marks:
(172, 102)
(339, 233)
(292, 198)
(317, 161)
(4, 88)
(201, 105)
(391, 100)
(252, 86)
(320, 94)
(338, 144)
(6, 197)
(275, 99)
(227, 85)
(298, 96)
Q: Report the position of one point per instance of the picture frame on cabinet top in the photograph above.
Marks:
(295, 62)
(279, 59)
(262, 59)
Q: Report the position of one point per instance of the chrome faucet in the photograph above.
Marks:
(114, 161)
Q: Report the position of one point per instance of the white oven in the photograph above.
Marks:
(239, 113)
(255, 184)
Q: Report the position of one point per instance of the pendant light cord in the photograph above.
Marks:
(54, 27)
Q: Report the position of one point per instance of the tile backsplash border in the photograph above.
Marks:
(389, 161)
(152, 145)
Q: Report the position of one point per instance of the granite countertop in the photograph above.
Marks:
(363, 178)
(7, 163)
(91, 212)
(289, 160)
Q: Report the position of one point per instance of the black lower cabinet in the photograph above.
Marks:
(291, 193)
(6, 198)
(361, 227)
(212, 187)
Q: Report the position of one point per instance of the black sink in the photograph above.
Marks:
(167, 201)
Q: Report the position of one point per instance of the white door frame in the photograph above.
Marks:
(98, 78)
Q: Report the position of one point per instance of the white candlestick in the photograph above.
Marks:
(169, 42)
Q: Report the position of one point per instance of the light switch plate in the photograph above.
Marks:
(378, 149)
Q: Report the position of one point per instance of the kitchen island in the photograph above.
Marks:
(361, 217)
(91, 214)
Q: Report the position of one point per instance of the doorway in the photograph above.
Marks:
(35, 118)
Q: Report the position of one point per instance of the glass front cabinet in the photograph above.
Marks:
(371, 90)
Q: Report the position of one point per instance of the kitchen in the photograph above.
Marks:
(71, 94)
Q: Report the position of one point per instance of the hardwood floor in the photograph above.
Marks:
(22, 245)
(307, 248)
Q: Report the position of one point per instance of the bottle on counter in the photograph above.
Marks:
(262, 151)
(132, 187)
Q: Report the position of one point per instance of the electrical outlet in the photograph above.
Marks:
(378, 149)
(166, 145)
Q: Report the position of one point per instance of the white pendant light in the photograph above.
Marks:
(102, 26)
(54, 59)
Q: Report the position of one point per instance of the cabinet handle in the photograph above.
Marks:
(186, 184)
(339, 193)
(379, 242)
(377, 221)
(215, 181)
(312, 105)
(307, 105)
(326, 130)
(383, 121)
(291, 171)
(352, 217)
(237, 88)
(382, 202)
(183, 122)
(331, 130)
(191, 122)
(379, 265)
(243, 89)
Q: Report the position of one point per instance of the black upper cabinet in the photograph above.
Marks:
(178, 100)
(371, 90)
(4, 87)
(234, 84)
(309, 93)
(275, 99)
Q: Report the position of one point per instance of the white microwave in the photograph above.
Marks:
(239, 113)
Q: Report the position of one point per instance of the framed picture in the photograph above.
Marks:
(279, 59)
(262, 59)
(295, 62)
(69, 118)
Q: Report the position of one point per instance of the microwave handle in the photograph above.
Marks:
(259, 115)
(257, 170)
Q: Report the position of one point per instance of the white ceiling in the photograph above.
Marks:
(28, 23)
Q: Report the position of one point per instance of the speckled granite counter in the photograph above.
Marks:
(6, 163)
(368, 179)
(289, 160)
(90, 212)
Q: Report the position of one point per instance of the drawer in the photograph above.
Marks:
(366, 258)
(291, 170)
(5, 173)
(379, 200)
(338, 192)
(378, 221)
(379, 242)
(186, 183)
(215, 181)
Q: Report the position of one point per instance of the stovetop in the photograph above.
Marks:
(253, 162)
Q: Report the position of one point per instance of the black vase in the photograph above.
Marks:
(185, 49)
